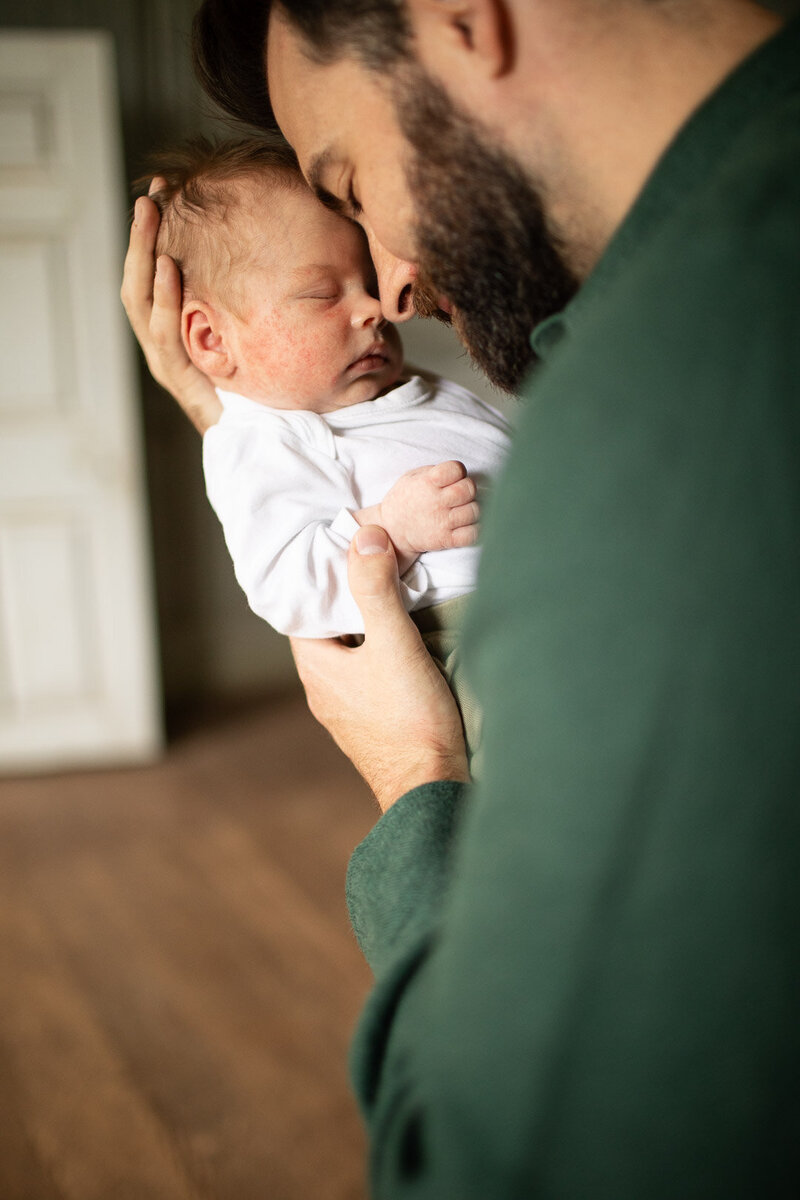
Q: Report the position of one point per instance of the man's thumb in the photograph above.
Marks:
(372, 573)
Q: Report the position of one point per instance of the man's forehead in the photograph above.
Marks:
(310, 100)
(286, 68)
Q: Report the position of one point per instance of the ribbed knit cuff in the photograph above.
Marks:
(397, 876)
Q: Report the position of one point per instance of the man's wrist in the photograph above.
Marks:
(444, 769)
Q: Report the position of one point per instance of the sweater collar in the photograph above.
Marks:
(712, 131)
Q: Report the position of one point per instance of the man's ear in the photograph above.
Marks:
(203, 333)
(455, 36)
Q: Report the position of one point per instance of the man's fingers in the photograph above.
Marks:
(152, 301)
(165, 322)
(312, 655)
(317, 662)
(171, 364)
(137, 276)
(146, 220)
(373, 578)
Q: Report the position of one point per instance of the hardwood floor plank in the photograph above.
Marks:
(179, 978)
(23, 1175)
(93, 1133)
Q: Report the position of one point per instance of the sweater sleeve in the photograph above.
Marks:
(286, 509)
(396, 887)
(396, 878)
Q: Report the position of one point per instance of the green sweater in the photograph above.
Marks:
(587, 966)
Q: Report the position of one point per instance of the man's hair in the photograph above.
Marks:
(199, 194)
(229, 39)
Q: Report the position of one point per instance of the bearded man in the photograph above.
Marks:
(586, 965)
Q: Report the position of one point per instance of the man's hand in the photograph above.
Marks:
(431, 508)
(152, 300)
(385, 703)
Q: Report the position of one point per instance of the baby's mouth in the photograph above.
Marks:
(372, 359)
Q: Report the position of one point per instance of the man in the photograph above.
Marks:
(586, 968)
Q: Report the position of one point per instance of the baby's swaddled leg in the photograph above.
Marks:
(440, 627)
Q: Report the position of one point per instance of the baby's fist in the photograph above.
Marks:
(432, 508)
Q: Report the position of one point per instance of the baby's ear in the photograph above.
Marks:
(203, 333)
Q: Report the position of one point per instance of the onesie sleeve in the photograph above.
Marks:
(286, 509)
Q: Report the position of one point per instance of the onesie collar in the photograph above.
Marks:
(407, 395)
(414, 391)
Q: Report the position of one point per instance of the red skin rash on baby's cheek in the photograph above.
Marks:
(291, 351)
(304, 363)
(304, 353)
(295, 357)
(306, 356)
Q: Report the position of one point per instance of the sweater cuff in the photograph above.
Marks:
(397, 876)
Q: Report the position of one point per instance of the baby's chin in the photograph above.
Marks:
(370, 385)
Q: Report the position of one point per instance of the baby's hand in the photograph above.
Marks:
(431, 508)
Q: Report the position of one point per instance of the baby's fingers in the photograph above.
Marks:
(465, 514)
(445, 473)
(467, 535)
(462, 492)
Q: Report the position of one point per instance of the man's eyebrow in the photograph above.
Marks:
(317, 170)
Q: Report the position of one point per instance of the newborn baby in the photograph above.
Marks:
(322, 429)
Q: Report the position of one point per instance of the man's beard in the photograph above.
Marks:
(482, 237)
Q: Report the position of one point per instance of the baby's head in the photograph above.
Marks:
(279, 294)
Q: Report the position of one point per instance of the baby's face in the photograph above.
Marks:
(311, 334)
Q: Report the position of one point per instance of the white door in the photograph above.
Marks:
(78, 681)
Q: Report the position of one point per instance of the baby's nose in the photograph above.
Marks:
(367, 311)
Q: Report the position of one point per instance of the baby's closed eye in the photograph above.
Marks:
(325, 295)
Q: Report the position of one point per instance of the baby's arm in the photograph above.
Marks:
(431, 508)
(287, 511)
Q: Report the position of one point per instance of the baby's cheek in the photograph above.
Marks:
(316, 362)
(301, 359)
(294, 358)
(321, 350)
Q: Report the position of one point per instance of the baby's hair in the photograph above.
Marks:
(197, 196)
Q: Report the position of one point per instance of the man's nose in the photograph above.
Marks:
(395, 281)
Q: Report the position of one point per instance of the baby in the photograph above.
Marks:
(322, 429)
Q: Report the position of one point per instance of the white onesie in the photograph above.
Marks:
(285, 485)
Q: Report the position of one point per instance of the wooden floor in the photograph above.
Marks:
(178, 979)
